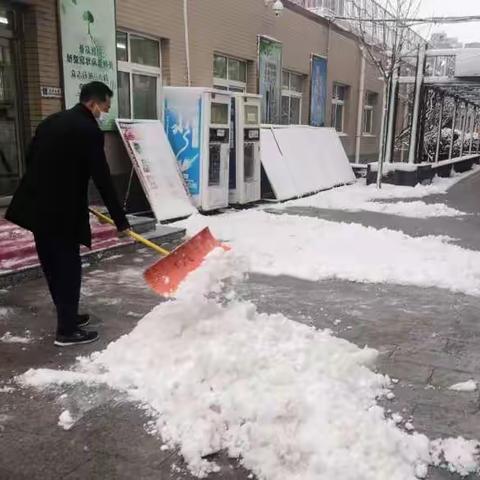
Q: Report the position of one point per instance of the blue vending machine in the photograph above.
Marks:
(197, 123)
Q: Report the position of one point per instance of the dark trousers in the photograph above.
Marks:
(62, 266)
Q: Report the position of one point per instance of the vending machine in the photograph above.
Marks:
(197, 123)
(245, 169)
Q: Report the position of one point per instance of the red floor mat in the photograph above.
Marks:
(17, 247)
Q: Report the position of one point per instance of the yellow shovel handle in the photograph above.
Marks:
(132, 234)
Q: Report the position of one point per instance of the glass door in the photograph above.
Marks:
(10, 159)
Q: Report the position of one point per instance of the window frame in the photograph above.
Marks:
(226, 83)
(339, 102)
(369, 109)
(291, 93)
(133, 68)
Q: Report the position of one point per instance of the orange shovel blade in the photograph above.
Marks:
(166, 275)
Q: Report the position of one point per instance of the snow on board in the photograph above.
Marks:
(155, 164)
(299, 160)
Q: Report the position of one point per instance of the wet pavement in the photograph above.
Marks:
(428, 338)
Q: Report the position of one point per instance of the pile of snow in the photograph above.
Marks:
(9, 338)
(416, 209)
(358, 197)
(316, 249)
(65, 420)
(456, 455)
(469, 386)
(290, 401)
(261, 388)
(217, 269)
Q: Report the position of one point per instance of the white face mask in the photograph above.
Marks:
(102, 117)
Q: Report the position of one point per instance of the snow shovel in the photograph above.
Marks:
(166, 274)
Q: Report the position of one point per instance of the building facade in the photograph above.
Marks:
(214, 43)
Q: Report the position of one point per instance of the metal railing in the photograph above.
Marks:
(378, 32)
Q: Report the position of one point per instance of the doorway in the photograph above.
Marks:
(10, 153)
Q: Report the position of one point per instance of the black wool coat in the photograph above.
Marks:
(52, 198)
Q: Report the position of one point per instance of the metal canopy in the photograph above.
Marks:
(468, 93)
(464, 90)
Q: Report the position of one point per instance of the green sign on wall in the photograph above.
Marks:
(270, 79)
(88, 49)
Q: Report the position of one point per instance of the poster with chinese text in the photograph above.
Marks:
(156, 167)
(88, 49)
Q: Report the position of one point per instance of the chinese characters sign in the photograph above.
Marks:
(270, 81)
(156, 167)
(51, 92)
(88, 48)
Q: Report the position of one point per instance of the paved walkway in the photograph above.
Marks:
(464, 230)
(428, 338)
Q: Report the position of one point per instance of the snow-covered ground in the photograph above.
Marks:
(8, 337)
(468, 386)
(4, 311)
(290, 401)
(316, 249)
(414, 209)
(456, 454)
(358, 197)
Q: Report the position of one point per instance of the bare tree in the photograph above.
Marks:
(385, 32)
(387, 40)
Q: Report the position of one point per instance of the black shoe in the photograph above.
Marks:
(83, 320)
(79, 337)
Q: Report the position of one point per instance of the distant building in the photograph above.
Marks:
(442, 40)
(472, 45)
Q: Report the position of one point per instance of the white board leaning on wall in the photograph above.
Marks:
(156, 167)
(299, 159)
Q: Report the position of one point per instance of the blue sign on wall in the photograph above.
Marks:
(183, 127)
(318, 94)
